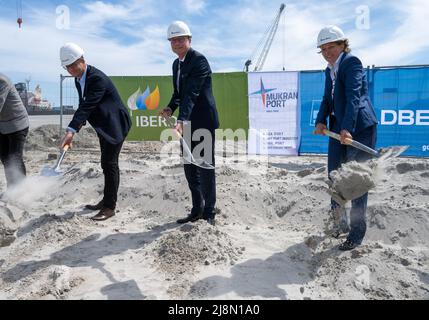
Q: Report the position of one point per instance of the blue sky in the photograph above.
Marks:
(129, 38)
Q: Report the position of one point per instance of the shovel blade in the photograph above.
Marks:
(55, 171)
(204, 165)
(50, 172)
(392, 152)
(198, 162)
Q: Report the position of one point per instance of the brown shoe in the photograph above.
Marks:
(95, 207)
(104, 214)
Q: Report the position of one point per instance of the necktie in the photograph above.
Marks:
(178, 75)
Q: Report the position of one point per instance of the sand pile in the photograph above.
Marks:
(193, 246)
(183, 253)
(45, 278)
(48, 137)
(11, 218)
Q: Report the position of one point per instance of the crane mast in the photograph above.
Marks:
(269, 35)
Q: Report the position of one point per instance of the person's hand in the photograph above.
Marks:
(345, 137)
(67, 140)
(320, 128)
(166, 113)
(179, 128)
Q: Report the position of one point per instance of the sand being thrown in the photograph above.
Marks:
(30, 191)
(17, 201)
(354, 179)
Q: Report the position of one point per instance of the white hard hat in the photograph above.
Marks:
(178, 29)
(69, 53)
(330, 34)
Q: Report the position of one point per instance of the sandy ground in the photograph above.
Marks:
(37, 121)
(270, 240)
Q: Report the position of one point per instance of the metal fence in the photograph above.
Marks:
(400, 95)
(69, 98)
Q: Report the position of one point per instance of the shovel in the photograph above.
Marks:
(190, 157)
(55, 171)
(384, 153)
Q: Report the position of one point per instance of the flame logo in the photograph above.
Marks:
(145, 100)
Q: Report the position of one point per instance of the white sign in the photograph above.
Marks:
(274, 113)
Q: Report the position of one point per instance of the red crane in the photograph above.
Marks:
(19, 12)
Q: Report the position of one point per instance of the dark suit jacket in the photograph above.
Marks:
(101, 105)
(194, 98)
(351, 104)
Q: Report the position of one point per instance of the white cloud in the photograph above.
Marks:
(107, 11)
(235, 31)
(400, 44)
(194, 6)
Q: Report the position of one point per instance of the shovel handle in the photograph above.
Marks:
(61, 158)
(336, 136)
(188, 152)
(352, 143)
(184, 145)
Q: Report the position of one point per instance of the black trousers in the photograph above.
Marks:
(339, 154)
(109, 163)
(11, 154)
(202, 182)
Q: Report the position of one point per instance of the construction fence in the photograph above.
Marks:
(400, 96)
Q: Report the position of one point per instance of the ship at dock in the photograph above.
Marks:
(36, 105)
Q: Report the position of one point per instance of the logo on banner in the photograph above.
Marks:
(144, 101)
(405, 117)
(263, 92)
(274, 101)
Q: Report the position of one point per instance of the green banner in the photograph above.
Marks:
(146, 96)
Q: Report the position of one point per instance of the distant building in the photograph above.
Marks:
(22, 91)
(35, 103)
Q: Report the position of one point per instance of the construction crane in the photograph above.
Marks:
(269, 38)
(19, 13)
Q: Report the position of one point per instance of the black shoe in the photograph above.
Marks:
(191, 218)
(347, 245)
(211, 221)
(95, 207)
(340, 231)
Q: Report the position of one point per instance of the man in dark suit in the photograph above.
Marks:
(100, 105)
(347, 105)
(198, 116)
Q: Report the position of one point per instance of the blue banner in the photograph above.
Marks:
(312, 87)
(401, 100)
